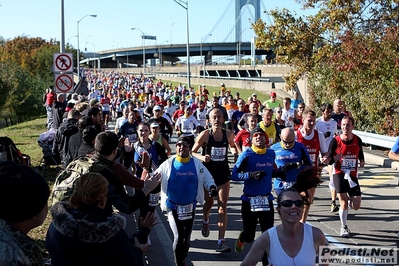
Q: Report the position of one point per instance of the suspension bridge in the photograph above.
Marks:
(230, 39)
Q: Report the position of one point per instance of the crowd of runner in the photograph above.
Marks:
(277, 146)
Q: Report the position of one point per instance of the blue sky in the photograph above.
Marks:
(112, 26)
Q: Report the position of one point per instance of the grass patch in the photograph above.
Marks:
(25, 136)
(244, 94)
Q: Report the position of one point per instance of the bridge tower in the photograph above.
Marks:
(239, 5)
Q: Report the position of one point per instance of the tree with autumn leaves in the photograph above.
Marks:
(25, 74)
(348, 50)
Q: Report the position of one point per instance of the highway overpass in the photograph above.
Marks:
(170, 53)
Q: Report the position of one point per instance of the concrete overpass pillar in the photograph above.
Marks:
(239, 5)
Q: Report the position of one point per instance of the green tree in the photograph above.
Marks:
(25, 73)
(22, 91)
(348, 50)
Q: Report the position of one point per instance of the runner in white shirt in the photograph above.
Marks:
(328, 126)
(121, 120)
(169, 109)
(289, 114)
(187, 125)
(200, 115)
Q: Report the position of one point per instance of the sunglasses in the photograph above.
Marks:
(289, 203)
(288, 142)
(185, 145)
(278, 111)
(255, 135)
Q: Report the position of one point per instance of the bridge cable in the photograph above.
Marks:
(220, 18)
(235, 23)
(267, 16)
(250, 13)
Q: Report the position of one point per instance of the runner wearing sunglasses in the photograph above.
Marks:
(291, 242)
(291, 157)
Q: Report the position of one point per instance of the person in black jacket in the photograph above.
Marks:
(107, 151)
(89, 136)
(67, 128)
(83, 232)
(76, 140)
(58, 109)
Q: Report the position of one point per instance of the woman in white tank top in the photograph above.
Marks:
(290, 243)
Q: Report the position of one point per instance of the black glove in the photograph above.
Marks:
(257, 175)
(289, 166)
(327, 134)
(235, 157)
(213, 191)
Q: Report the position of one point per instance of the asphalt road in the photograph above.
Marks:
(375, 224)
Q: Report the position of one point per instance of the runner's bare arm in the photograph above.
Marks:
(230, 138)
(201, 140)
(255, 254)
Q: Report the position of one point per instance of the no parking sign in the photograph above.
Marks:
(64, 83)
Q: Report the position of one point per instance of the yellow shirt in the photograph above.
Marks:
(270, 131)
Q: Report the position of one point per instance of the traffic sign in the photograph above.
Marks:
(63, 62)
(148, 37)
(64, 83)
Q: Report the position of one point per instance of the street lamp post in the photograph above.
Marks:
(203, 60)
(77, 51)
(73, 36)
(94, 53)
(87, 37)
(171, 33)
(62, 23)
(239, 45)
(143, 42)
(185, 6)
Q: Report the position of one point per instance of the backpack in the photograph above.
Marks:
(65, 180)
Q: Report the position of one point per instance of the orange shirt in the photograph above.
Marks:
(232, 106)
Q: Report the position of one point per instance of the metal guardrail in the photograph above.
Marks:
(376, 139)
(214, 77)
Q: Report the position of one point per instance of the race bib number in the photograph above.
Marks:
(185, 212)
(153, 199)
(312, 158)
(187, 128)
(132, 138)
(218, 154)
(259, 204)
(349, 164)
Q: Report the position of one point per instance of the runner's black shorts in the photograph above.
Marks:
(342, 185)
